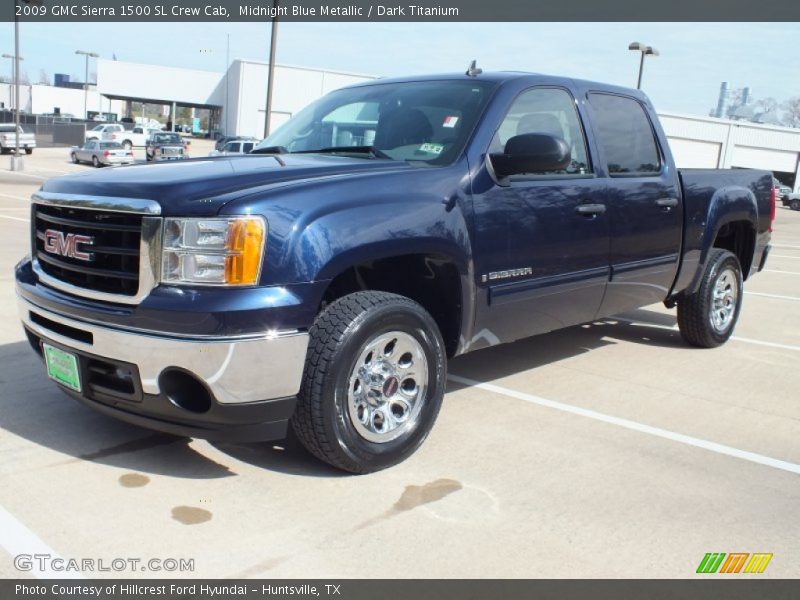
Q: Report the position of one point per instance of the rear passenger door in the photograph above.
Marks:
(643, 200)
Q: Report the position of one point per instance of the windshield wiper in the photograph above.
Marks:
(269, 150)
(372, 150)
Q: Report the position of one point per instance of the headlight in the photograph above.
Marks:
(226, 251)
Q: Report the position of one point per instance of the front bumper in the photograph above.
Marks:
(158, 157)
(250, 382)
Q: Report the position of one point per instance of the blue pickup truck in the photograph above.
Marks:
(324, 280)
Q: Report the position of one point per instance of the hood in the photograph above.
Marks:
(203, 186)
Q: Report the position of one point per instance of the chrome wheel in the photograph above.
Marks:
(724, 297)
(388, 386)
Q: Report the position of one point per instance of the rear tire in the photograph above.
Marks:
(373, 383)
(794, 204)
(28, 150)
(127, 145)
(95, 162)
(707, 318)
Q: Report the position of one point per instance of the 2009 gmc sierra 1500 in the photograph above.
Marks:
(325, 280)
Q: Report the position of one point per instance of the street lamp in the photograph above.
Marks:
(646, 51)
(271, 72)
(88, 55)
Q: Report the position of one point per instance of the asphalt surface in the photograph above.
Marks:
(605, 450)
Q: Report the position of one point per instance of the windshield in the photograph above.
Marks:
(167, 138)
(427, 121)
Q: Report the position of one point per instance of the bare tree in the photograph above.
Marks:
(791, 112)
(24, 79)
(767, 105)
(44, 77)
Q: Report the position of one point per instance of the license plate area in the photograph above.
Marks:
(62, 367)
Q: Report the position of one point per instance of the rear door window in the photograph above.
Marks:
(625, 135)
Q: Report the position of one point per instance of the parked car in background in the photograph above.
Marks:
(792, 201)
(99, 131)
(166, 146)
(8, 139)
(783, 191)
(102, 153)
(136, 137)
(242, 146)
(220, 143)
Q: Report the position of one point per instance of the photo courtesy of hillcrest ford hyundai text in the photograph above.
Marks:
(323, 281)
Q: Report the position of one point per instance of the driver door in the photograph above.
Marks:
(542, 238)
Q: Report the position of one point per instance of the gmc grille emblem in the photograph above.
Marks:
(57, 242)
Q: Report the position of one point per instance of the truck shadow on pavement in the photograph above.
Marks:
(33, 408)
(533, 352)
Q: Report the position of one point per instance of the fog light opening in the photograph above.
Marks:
(184, 390)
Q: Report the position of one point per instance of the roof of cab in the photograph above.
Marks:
(505, 76)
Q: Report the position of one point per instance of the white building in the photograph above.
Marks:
(237, 102)
(708, 142)
(243, 90)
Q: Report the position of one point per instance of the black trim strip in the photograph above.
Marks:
(86, 270)
(87, 224)
(528, 289)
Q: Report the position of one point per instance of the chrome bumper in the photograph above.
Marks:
(236, 369)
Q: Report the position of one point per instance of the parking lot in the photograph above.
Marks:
(606, 450)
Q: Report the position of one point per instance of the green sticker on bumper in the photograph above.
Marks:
(62, 367)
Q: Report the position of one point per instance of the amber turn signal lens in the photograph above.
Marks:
(245, 243)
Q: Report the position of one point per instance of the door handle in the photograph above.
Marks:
(667, 203)
(590, 210)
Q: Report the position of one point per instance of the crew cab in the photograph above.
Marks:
(136, 137)
(323, 281)
(9, 136)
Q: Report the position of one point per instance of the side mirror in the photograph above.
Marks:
(531, 153)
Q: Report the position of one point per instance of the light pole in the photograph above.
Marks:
(645, 51)
(271, 73)
(88, 55)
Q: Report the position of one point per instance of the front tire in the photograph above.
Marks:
(75, 158)
(373, 383)
(794, 204)
(28, 150)
(707, 318)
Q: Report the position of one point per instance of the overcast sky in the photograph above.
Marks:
(695, 57)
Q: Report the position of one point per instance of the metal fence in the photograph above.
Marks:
(52, 132)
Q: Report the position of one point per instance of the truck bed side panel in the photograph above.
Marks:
(714, 198)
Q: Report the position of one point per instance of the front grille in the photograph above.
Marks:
(113, 265)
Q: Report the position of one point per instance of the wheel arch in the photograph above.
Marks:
(438, 280)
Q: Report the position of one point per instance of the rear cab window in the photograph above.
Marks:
(625, 135)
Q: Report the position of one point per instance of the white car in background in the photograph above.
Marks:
(241, 146)
(101, 153)
(136, 137)
(99, 131)
(8, 139)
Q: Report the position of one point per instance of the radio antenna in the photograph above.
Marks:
(473, 70)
